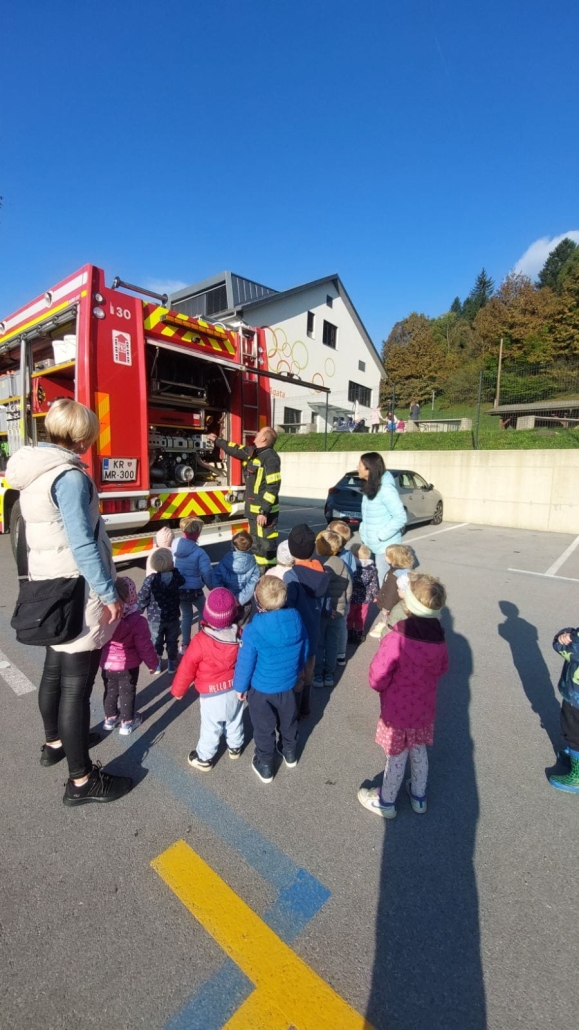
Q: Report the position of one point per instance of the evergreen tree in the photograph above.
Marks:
(550, 274)
(456, 306)
(480, 294)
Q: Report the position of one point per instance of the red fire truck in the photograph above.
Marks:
(159, 381)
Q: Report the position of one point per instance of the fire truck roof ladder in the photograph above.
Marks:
(116, 283)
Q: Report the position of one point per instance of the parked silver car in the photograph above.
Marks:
(422, 502)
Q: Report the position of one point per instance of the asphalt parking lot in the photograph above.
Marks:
(461, 918)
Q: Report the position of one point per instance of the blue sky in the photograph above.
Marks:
(401, 145)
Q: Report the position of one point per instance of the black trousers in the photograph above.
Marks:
(166, 633)
(264, 541)
(64, 702)
(570, 725)
(268, 712)
(120, 690)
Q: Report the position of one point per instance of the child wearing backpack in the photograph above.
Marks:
(159, 594)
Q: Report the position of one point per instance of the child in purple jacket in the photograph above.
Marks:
(131, 644)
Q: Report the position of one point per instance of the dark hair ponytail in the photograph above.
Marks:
(375, 465)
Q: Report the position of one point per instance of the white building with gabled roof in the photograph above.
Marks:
(313, 331)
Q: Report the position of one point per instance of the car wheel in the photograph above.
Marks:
(405, 526)
(16, 525)
(437, 517)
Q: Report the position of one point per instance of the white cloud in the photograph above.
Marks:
(535, 256)
(168, 286)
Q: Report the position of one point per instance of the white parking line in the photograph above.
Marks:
(15, 679)
(447, 529)
(545, 575)
(553, 570)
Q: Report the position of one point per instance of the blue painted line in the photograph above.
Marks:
(300, 896)
(215, 1002)
(258, 852)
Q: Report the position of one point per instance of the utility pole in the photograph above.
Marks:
(498, 391)
(433, 400)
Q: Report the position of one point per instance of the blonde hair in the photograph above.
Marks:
(428, 590)
(328, 543)
(271, 593)
(69, 424)
(271, 435)
(363, 552)
(161, 560)
(399, 556)
(341, 528)
(191, 526)
(242, 541)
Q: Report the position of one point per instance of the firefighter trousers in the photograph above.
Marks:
(264, 541)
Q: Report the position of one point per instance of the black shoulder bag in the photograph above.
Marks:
(48, 611)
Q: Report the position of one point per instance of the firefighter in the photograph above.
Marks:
(261, 469)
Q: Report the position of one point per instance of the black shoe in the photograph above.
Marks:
(234, 752)
(100, 786)
(199, 763)
(341, 659)
(264, 771)
(53, 755)
(289, 755)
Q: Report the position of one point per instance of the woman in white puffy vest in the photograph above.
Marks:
(66, 537)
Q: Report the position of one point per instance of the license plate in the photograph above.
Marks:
(119, 470)
(348, 515)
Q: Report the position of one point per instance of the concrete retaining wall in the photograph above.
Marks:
(516, 489)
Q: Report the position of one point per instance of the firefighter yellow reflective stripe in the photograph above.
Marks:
(272, 536)
(254, 509)
(259, 531)
(274, 477)
(265, 561)
(258, 479)
(274, 508)
(103, 410)
(270, 498)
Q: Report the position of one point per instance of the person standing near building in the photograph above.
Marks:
(414, 412)
(375, 419)
(261, 469)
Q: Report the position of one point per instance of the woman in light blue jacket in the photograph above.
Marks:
(383, 515)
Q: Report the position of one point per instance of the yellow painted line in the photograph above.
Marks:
(257, 1013)
(283, 980)
(34, 321)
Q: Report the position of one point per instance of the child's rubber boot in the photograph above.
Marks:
(570, 782)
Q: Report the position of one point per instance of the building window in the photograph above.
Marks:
(362, 394)
(291, 419)
(329, 300)
(311, 323)
(329, 335)
(361, 366)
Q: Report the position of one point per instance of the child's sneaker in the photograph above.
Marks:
(234, 752)
(370, 798)
(131, 725)
(289, 756)
(110, 723)
(418, 804)
(159, 668)
(171, 666)
(199, 763)
(378, 629)
(341, 659)
(317, 682)
(328, 680)
(264, 771)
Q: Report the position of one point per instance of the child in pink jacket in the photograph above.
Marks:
(405, 671)
(131, 644)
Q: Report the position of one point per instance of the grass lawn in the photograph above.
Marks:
(490, 439)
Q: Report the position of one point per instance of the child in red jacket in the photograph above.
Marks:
(406, 670)
(209, 663)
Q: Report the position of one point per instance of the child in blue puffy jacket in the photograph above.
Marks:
(273, 652)
(239, 573)
(566, 643)
(195, 566)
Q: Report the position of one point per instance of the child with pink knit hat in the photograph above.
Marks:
(209, 665)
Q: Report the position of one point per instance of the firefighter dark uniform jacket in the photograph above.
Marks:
(261, 469)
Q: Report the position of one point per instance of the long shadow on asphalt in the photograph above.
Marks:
(427, 969)
(130, 763)
(523, 640)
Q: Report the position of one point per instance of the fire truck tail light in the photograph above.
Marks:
(99, 298)
(116, 506)
(98, 312)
